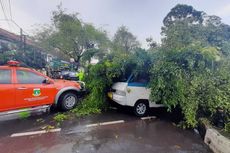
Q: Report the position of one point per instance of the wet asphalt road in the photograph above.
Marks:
(133, 136)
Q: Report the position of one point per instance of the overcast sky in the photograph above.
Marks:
(142, 17)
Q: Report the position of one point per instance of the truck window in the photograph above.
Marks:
(26, 77)
(5, 76)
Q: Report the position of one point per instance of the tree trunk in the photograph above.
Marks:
(77, 62)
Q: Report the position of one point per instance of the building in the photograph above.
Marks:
(21, 48)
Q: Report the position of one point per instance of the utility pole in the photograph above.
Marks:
(20, 44)
(21, 37)
(22, 41)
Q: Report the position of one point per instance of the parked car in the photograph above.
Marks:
(135, 93)
(26, 88)
(69, 75)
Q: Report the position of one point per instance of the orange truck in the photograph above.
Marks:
(22, 88)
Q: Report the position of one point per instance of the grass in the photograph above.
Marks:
(24, 115)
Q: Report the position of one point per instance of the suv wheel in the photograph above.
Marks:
(141, 108)
(68, 101)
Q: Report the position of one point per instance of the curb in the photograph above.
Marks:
(217, 142)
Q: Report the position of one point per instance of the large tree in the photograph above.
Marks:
(184, 25)
(124, 40)
(72, 37)
(191, 70)
(183, 12)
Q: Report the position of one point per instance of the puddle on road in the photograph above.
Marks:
(80, 129)
(135, 136)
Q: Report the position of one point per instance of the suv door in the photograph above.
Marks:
(31, 89)
(7, 90)
(137, 89)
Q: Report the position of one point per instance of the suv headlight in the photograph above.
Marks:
(122, 93)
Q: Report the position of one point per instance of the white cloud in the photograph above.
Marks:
(224, 11)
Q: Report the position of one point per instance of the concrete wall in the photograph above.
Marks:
(217, 142)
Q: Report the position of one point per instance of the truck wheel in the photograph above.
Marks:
(141, 108)
(68, 101)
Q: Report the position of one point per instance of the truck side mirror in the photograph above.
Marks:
(47, 81)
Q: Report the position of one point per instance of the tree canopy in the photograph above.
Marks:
(124, 40)
(191, 70)
(73, 37)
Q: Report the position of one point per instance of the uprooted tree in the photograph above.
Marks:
(190, 69)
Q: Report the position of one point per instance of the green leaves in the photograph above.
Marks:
(194, 78)
(124, 41)
(211, 53)
(73, 38)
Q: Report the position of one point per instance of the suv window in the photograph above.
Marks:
(5, 76)
(139, 78)
(26, 77)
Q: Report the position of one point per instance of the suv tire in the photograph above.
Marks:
(141, 108)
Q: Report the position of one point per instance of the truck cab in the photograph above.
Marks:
(26, 88)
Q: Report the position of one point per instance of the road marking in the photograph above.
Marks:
(59, 129)
(34, 132)
(105, 123)
(148, 117)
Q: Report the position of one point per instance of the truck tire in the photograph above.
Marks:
(141, 108)
(68, 101)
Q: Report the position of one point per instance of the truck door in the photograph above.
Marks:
(31, 89)
(7, 90)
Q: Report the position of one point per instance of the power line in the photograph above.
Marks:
(3, 10)
(7, 9)
(5, 20)
(19, 27)
(10, 10)
(11, 18)
(15, 25)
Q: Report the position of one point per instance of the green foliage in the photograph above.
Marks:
(86, 109)
(124, 41)
(102, 75)
(206, 122)
(60, 117)
(98, 81)
(193, 78)
(72, 38)
(182, 12)
(227, 127)
(191, 70)
(24, 114)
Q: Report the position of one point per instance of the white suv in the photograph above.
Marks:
(134, 93)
